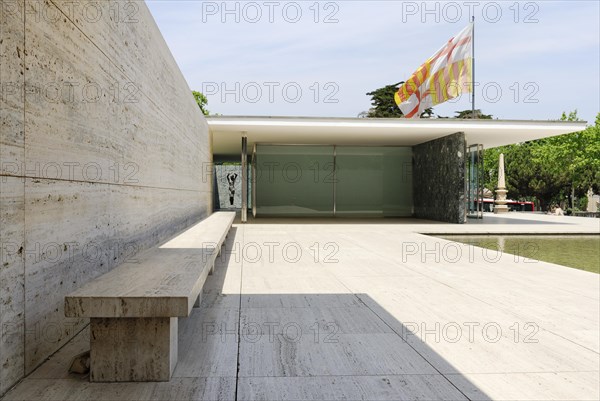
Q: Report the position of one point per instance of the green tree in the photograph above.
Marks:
(574, 157)
(468, 114)
(550, 170)
(202, 101)
(572, 116)
(383, 104)
(526, 178)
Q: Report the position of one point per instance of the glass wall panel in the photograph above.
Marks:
(373, 181)
(475, 181)
(294, 180)
(302, 180)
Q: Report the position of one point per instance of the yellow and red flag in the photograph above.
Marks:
(444, 76)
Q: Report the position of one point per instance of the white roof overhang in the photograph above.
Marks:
(227, 131)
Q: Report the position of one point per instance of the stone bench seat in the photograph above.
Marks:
(133, 309)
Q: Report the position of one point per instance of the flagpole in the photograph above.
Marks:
(473, 69)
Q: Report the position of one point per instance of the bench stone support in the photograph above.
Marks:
(198, 301)
(133, 349)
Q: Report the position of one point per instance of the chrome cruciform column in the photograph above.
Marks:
(244, 214)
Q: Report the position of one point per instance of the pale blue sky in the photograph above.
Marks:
(544, 51)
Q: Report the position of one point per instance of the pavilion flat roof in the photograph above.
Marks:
(227, 131)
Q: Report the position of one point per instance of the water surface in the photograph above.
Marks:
(577, 251)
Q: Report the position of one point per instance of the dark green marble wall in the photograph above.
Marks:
(439, 179)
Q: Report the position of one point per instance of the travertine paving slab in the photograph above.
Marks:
(295, 353)
(209, 356)
(215, 298)
(323, 320)
(206, 321)
(287, 271)
(388, 387)
(474, 336)
(217, 388)
(494, 354)
(208, 343)
(254, 284)
(300, 301)
(529, 386)
(365, 268)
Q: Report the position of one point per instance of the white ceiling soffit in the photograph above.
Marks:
(227, 131)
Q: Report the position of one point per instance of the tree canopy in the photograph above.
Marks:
(470, 114)
(202, 101)
(552, 170)
(383, 104)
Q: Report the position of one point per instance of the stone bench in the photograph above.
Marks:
(133, 309)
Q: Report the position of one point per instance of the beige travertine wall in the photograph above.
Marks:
(102, 154)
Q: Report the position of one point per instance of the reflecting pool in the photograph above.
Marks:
(577, 251)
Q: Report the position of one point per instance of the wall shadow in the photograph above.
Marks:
(278, 346)
(319, 346)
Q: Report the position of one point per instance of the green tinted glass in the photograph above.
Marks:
(294, 180)
(301, 180)
(373, 181)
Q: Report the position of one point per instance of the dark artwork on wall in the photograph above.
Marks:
(227, 186)
(231, 177)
